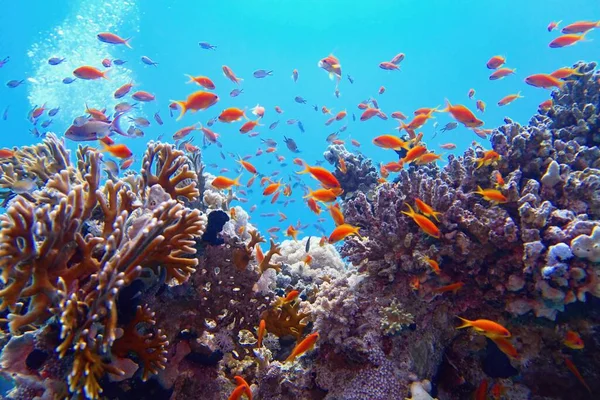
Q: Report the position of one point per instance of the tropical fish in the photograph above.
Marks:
(426, 209)
(262, 329)
(327, 179)
(117, 150)
(306, 345)
(501, 73)
(545, 81)
(228, 72)
(566, 40)
(55, 60)
(141, 95)
(565, 72)
(449, 126)
(14, 83)
(423, 222)
(505, 346)
(207, 46)
(509, 99)
(453, 287)
(433, 264)
(93, 129)
(222, 182)
(488, 158)
(389, 66)
(343, 231)
(486, 327)
(463, 115)
(332, 65)
(199, 100)
(203, 81)
(291, 145)
(492, 195)
(111, 38)
(580, 26)
(123, 90)
(148, 61)
(553, 25)
(261, 73)
(496, 62)
(576, 372)
(236, 92)
(573, 341)
(295, 75)
(322, 195)
(232, 114)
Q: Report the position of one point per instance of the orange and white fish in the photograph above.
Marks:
(463, 115)
(306, 345)
(332, 65)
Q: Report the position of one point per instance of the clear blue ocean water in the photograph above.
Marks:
(447, 44)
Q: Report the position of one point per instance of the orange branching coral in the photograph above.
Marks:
(149, 347)
(88, 368)
(283, 318)
(243, 255)
(266, 262)
(172, 171)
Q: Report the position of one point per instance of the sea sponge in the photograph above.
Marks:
(587, 246)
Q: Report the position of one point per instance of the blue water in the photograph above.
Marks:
(446, 43)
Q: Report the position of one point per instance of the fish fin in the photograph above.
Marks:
(191, 78)
(448, 105)
(104, 75)
(114, 125)
(181, 105)
(126, 42)
(465, 323)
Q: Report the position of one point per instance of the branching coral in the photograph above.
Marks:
(394, 319)
(284, 318)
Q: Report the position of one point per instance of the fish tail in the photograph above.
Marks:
(448, 105)
(465, 323)
(306, 169)
(410, 211)
(191, 78)
(181, 105)
(126, 42)
(236, 181)
(114, 125)
(105, 76)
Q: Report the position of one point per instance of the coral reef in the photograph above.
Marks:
(360, 175)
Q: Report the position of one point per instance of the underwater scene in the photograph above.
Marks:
(304, 200)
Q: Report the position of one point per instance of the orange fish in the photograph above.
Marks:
(127, 163)
(492, 195)
(426, 110)
(423, 222)
(203, 81)
(237, 393)
(191, 148)
(342, 165)
(247, 166)
(509, 99)
(251, 181)
(497, 390)
(6, 153)
(332, 65)
(414, 153)
(259, 253)
(545, 81)
(565, 72)
(418, 121)
(496, 62)
(248, 126)
(575, 372)
(488, 158)
(306, 345)
(506, 346)
(278, 110)
(123, 90)
(427, 158)
(393, 166)
(275, 196)
(232, 114)
(383, 172)
(573, 341)
(222, 182)
(117, 150)
(322, 195)
(199, 100)
(480, 105)
(183, 132)
(242, 382)
(211, 136)
(398, 115)
(453, 287)
(327, 179)
(307, 259)
(486, 327)
(111, 38)
(341, 115)
(390, 142)
(271, 188)
(292, 232)
(287, 190)
(546, 104)
(336, 214)
(314, 206)
(291, 296)
(86, 72)
(566, 40)
(355, 143)
(481, 392)
(499, 179)
(433, 264)
(501, 73)
(230, 75)
(342, 231)
(463, 115)
(370, 113)
(40, 110)
(426, 209)
(448, 146)
(96, 114)
(580, 26)
(553, 25)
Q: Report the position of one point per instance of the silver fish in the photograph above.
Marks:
(207, 46)
(158, 119)
(273, 125)
(449, 126)
(56, 60)
(261, 73)
(119, 62)
(94, 130)
(148, 61)
(236, 92)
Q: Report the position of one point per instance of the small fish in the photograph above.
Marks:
(46, 123)
(492, 195)
(207, 46)
(350, 79)
(501, 73)
(580, 27)
(106, 63)
(6, 153)
(111, 38)
(228, 72)
(222, 182)
(157, 118)
(140, 121)
(53, 112)
(124, 107)
(448, 146)
(199, 100)
(23, 186)
(509, 99)
(486, 327)
(496, 62)
(4, 61)
(307, 247)
(5, 113)
(300, 126)
(553, 25)
(68, 80)
(14, 83)
(112, 167)
(117, 150)
(343, 231)
(449, 126)
(576, 372)
(573, 341)
(119, 61)
(144, 96)
(236, 92)
(299, 99)
(55, 60)
(545, 81)
(291, 145)
(480, 106)
(423, 222)
(273, 125)
(471, 93)
(261, 73)
(306, 345)
(87, 72)
(148, 61)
